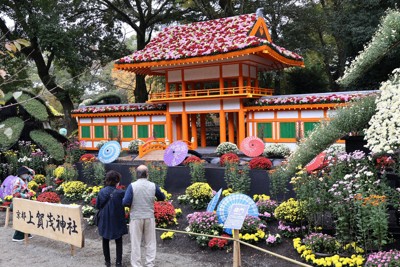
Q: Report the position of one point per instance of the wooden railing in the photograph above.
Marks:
(216, 92)
(153, 145)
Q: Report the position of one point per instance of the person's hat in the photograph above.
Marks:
(23, 170)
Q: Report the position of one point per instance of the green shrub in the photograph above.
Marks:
(226, 147)
(10, 131)
(134, 145)
(49, 144)
(197, 172)
(33, 106)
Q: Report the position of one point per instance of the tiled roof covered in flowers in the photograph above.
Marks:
(205, 38)
(119, 108)
(322, 98)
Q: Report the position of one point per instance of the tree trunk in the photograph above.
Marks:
(34, 52)
(141, 95)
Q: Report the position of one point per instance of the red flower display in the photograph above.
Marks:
(218, 243)
(93, 201)
(260, 163)
(120, 108)
(191, 159)
(164, 213)
(204, 38)
(229, 157)
(50, 197)
(87, 158)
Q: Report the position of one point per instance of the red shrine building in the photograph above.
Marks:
(210, 67)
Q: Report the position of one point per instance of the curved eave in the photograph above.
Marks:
(294, 107)
(144, 68)
(119, 114)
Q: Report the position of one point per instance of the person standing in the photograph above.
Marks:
(140, 197)
(21, 190)
(111, 224)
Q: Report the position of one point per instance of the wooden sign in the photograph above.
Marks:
(55, 221)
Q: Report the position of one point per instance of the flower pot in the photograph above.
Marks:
(353, 143)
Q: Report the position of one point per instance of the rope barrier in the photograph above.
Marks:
(241, 242)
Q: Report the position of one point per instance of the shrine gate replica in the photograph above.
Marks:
(210, 67)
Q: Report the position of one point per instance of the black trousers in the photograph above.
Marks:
(106, 249)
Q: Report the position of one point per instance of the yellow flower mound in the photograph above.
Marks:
(199, 191)
(74, 188)
(335, 260)
(167, 235)
(32, 185)
(262, 197)
(59, 171)
(289, 211)
(253, 237)
(168, 196)
(39, 179)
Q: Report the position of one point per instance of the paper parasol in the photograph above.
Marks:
(175, 153)
(317, 163)
(226, 204)
(7, 186)
(252, 146)
(109, 152)
(213, 203)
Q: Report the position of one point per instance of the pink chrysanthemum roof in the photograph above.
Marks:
(203, 38)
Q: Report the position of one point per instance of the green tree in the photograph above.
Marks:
(67, 35)
(144, 17)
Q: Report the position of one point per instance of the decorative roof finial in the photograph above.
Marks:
(259, 12)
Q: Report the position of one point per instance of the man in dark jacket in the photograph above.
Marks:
(140, 197)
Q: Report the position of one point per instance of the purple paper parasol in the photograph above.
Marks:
(7, 186)
(175, 153)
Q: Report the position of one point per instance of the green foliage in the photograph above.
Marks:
(197, 172)
(10, 131)
(237, 179)
(33, 106)
(93, 172)
(157, 173)
(226, 147)
(106, 98)
(134, 145)
(386, 38)
(49, 144)
(353, 118)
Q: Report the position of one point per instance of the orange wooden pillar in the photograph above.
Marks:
(185, 127)
(240, 82)
(222, 124)
(168, 121)
(179, 128)
(193, 120)
(241, 124)
(203, 130)
(231, 127)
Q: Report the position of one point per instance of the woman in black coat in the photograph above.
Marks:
(112, 224)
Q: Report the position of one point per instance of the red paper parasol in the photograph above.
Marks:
(252, 146)
(175, 153)
(317, 163)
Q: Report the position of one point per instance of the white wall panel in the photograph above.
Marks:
(112, 119)
(85, 120)
(175, 107)
(174, 76)
(287, 114)
(203, 105)
(158, 118)
(312, 113)
(98, 120)
(230, 70)
(142, 119)
(127, 119)
(264, 115)
(125, 144)
(231, 104)
(202, 73)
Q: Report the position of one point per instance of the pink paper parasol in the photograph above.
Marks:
(252, 146)
(175, 153)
